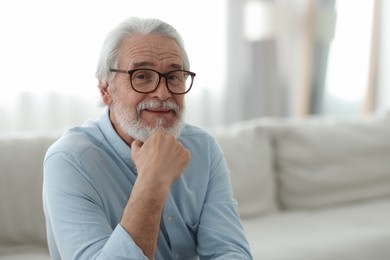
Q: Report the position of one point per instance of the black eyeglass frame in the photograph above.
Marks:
(164, 75)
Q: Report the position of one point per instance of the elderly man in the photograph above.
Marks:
(139, 183)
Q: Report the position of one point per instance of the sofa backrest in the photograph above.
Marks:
(331, 162)
(247, 147)
(295, 164)
(21, 212)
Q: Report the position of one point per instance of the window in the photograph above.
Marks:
(348, 73)
(50, 48)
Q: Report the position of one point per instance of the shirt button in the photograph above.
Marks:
(169, 218)
(177, 255)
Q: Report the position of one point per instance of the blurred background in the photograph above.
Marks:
(253, 58)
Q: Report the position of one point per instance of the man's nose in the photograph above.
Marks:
(162, 92)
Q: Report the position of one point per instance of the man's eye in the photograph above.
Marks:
(172, 77)
(140, 76)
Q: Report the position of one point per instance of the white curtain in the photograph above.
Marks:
(49, 50)
(46, 112)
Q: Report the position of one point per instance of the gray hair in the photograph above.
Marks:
(126, 29)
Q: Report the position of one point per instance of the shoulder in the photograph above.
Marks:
(77, 140)
(194, 137)
(190, 131)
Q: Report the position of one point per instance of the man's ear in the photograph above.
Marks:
(104, 91)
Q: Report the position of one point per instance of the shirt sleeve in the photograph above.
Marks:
(77, 226)
(220, 233)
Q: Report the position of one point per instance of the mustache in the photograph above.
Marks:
(166, 105)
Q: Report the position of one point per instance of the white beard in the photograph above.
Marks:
(130, 123)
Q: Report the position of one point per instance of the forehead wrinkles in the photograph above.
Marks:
(149, 49)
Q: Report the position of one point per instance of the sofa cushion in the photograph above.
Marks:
(21, 210)
(359, 231)
(248, 153)
(323, 162)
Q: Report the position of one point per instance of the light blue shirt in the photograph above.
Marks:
(88, 178)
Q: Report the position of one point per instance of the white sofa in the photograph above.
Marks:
(22, 224)
(310, 189)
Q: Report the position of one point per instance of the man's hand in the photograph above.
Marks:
(159, 161)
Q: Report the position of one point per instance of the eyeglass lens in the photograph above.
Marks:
(145, 80)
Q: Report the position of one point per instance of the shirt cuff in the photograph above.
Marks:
(122, 246)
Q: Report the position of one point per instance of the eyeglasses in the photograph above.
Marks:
(145, 81)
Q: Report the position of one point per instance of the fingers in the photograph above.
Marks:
(161, 153)
(136, 145)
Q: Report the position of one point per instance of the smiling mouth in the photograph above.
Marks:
(158, 108)
(159, 111)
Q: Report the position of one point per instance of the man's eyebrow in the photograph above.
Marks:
(142, 64)
(176, 66)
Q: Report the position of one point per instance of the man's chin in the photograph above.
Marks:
(142, 131)
(160, 123)
(156, 119)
